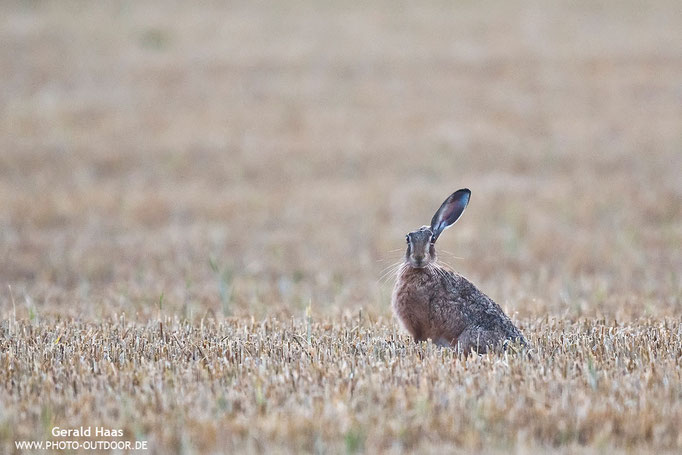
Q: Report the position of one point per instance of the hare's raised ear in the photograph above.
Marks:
(449, 212)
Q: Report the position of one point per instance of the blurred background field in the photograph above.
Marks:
(254, 159)
(294, 144)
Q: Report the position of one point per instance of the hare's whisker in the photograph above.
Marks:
(396, 272)
(391, 257)
(439, 271)
(452, 255)
(381, 272)
(443, 262)
(390, 271)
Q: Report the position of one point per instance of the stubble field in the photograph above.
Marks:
(198, 204)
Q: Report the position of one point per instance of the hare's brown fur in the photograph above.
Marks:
(438, 304)
(435, 303)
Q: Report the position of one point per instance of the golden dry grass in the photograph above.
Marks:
(344, 385)
(221, 168)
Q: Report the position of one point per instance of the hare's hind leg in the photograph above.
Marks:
(414, 329)
(443, 343)
(477, 339)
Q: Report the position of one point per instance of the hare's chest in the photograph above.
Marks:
(413, 302)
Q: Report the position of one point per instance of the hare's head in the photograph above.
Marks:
(421, 250)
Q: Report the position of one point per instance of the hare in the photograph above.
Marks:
(436, 303)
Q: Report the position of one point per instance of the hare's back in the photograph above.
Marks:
(479, 309)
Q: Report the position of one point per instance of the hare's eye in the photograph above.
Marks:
(407, 239)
